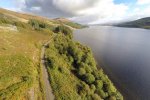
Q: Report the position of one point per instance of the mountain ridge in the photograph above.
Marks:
(140, 23)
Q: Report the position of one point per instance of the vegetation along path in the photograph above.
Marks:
(47, 88)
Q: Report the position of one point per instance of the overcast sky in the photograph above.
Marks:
(83, 11)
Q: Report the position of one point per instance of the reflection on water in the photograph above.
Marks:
(124, 54)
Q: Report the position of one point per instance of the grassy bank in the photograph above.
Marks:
(73, 71)
(20, 72)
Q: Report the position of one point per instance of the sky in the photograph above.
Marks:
(83, 11)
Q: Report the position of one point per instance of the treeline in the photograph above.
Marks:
(91, 83)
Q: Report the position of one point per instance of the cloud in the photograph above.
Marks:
(141, 2)
(83, 11)
(19, 5)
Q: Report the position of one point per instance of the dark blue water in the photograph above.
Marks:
(124, 54)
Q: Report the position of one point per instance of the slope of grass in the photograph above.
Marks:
(16, 76)
(20, 73)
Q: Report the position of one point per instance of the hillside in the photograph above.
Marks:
(140, 23)
(71, 67)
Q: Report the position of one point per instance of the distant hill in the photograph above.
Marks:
(140, 23)
(26, 17)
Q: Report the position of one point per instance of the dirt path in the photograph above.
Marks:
(47, 88)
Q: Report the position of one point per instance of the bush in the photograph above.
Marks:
(93, 88)
(81, 71)
(21, 24)
(111, 89)
(102, 93)
(63, 29)
(39, 25)
(98, 74)
(112, 98)
(84, 89)
(5, 21)
(96, 97)
(99, 84)
(70, 59)
(89, 78)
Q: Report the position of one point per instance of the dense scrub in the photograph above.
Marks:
(73, 71)
(39, 25)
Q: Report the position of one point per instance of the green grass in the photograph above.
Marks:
(16, 76)
(20, 71)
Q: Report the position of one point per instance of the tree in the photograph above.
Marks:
(112, 98)
(81, 71)
(99, 84)
(96, 97)
(111, 89)
(93, 88)
(89, 78)
(102, 93)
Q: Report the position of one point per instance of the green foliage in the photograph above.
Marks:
(84, 90)
(21, 24)
(112, 98)
(99, 84)
(89, 78)
(63, 29)
(39, 25)
(5, 20)
(96, 97)
(93, 88)
(67, 58)
(102, 94)
(81, 71)
(111, 89)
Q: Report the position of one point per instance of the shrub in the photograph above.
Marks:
(102, 93)
(21, 24)
(111, 89)
(93, 88)
(39, 25)
(5, 21)
(96, 97)
(112, 98)
(89, 78)
(70, 59)
(97, 74)
(99, 84)
(63, 29)
(88, 69)
(81, 71)
(84, 89)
